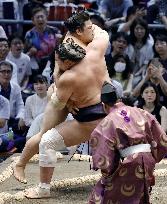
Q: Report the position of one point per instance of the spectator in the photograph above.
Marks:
(121, 70)
(151, 8)
(119, 43)
(140, 49)
(4, 114)
(154, 73)
(40, 41)
(149, 101)
(27, 12)
(4, 50)
(114, 8)
(12, 92)
(160, 47)
(21, 60)
(133, 13)
(6, 139)
(36, 103)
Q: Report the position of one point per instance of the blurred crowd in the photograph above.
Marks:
(136, 58)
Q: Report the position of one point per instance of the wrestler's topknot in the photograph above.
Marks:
(77, 20)
(69, 50)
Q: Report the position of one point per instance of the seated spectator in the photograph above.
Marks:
(114, 8)
(6, 137)
(21, 60)
(149, 101)
(4, 50)
(12, 92)
(35, 104)
(119, 43)
(121, 70)
(27, 12)
(160, 47)
(4, 114)
(151, 7)
(40, 41)
(154, 73)
(133, 13)
(140, 49)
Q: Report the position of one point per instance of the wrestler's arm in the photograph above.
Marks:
(100, 41)
(63, 91)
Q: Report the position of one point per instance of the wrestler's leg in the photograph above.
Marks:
(52, 117)
(67, 134)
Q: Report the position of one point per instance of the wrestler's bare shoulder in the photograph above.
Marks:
(67, 77)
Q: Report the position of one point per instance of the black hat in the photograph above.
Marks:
(108, 94)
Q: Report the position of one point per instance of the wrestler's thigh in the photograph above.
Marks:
(75, 133)
(53, 117)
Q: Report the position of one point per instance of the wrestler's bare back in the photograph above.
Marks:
(83, 82)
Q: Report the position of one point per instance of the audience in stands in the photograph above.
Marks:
(133, 13)
(4, 114)
(154, 73)
(140, 49)
(119, 43)
(40, 41)
(21, 60)
(149, 101)
(35, 104)
(12, 92)
(120, 70)
(4, 50)
(160, 47)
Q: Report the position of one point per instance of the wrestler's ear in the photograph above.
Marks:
(79, 31)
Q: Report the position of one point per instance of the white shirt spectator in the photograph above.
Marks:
(4, 112)
(146, 52)
(23, 65)
(34, 106)
(16, 102)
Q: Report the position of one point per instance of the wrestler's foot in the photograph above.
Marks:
(37, 193)
(18, 172)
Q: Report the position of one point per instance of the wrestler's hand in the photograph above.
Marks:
(72, 108)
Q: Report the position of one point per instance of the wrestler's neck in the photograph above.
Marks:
(78, 40)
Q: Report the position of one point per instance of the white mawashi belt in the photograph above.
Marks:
(135, 149)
